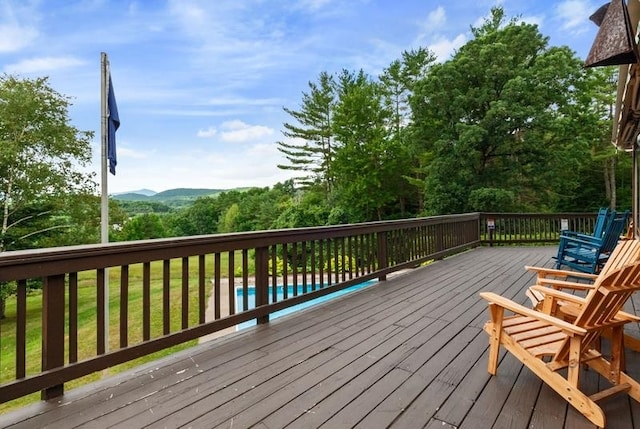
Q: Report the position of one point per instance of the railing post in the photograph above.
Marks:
(53, 330)
(382, 253)
(262, 281)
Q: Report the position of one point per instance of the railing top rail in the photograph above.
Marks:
(39, 262)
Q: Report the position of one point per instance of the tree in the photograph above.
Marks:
(368, 164)
(143, 227)
(594, 114)
(40, 152)
(398, 82)
(496, 115)
(310, 150)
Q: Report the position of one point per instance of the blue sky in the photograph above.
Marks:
(200, 84)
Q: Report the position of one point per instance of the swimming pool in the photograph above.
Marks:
(280, 292)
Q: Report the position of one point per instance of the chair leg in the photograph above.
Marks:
(617, 354)
(495, 331)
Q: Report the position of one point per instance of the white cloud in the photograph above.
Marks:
(126, 152)
(17, 26)
(14, 37)
(436, 19)
(43, 64)
(574, 15)
(314, 5)
(443, 48)
(208, 133)
(239, 132)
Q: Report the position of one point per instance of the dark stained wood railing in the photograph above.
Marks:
(170, 282)
(539, 228)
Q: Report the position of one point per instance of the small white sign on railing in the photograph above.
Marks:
(564, 224)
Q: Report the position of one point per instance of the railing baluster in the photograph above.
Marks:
(146, 301)
(262, 281)
(100, 311)
(53, 307)
(304, 267)
(294, 267)
(73, 317)
(166, 296)
(274, 273)
(21, 329)
(245, 279)
(185, 292)
(285, 272)
(336, 260)
(232, 284)
(124, 306)
(217, 289)
(313, 265)
(202, 293)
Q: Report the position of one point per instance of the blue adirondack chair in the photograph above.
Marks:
(603, 218)
(589, 253)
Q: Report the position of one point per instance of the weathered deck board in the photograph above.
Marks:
(406, 353)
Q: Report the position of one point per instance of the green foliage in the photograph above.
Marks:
(229, 219)
(496, 117)
(309, 209)
(38, 153)
(142, 227)
(367, 160)
(134, 207)
(40, 156)
(491, 200)
(309, 149)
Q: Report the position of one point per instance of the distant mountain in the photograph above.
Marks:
(147, 192)
(187, 192)
(170, 195)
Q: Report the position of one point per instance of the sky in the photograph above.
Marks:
(201, 84)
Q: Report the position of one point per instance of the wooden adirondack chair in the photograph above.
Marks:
(588, 254)
(547, 344)
(625, 253)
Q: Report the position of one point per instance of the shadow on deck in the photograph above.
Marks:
(406, 353)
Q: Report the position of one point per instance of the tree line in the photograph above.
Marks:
(508, 123)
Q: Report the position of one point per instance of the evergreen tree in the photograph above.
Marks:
(310, 149)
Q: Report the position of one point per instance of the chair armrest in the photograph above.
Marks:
(582, 241)
(558, 294)
(505, 303)
(543, 272)
(574, 234)
(563, 284)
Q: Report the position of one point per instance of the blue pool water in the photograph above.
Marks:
(252, 302)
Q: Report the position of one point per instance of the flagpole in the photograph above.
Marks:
(104, 200)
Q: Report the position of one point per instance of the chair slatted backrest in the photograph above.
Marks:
(601, 222)
(603, 303)
(626, 252)
(614, 231)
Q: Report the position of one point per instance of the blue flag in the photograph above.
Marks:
(113, 124)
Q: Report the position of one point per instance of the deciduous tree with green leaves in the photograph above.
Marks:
(495, 116)
(41, 154)
(368, 163)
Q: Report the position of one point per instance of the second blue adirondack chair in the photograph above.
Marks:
(603, 218)
(589, 253)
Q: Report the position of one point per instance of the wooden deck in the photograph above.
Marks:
(406, 353)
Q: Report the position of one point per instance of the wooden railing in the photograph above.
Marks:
(90, 293)
(539, 228)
